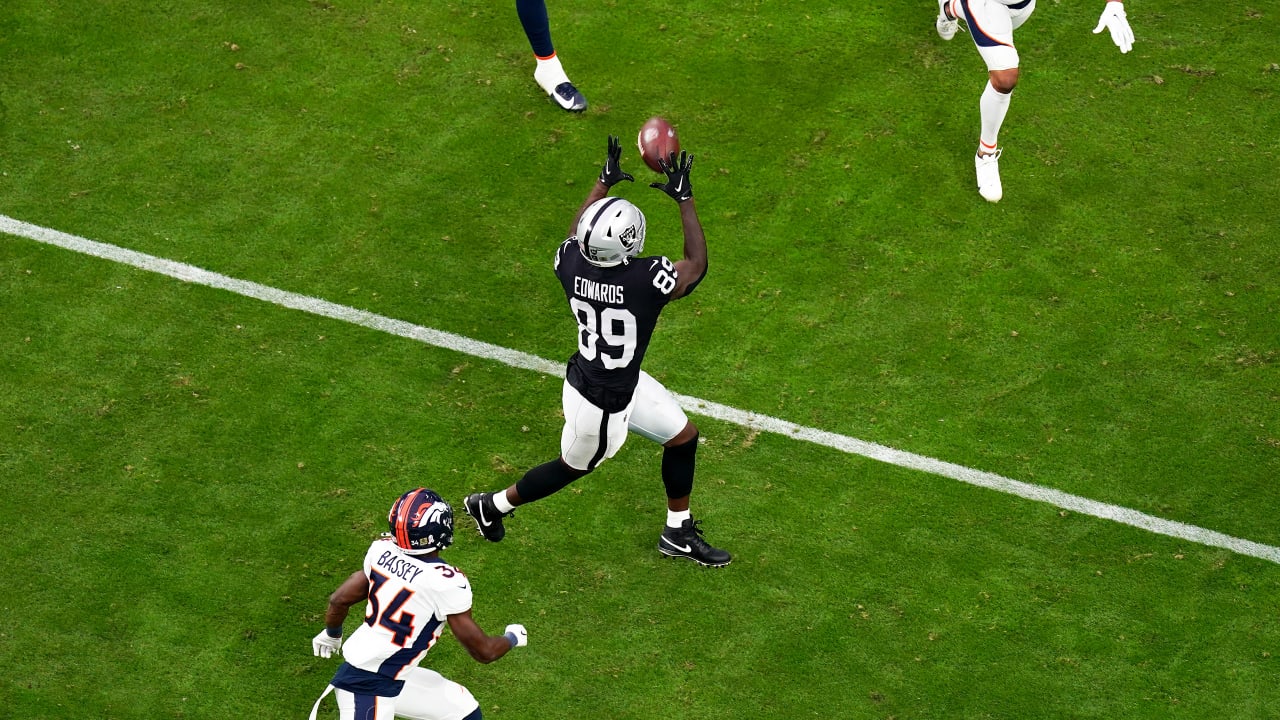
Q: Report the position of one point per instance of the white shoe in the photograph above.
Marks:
(551, 78)
(946, 26)
(988, 167)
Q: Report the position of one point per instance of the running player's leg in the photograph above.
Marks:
(373, 707)
(589, 437)
(428, 695)
(992, 24)
(657, 416)
(549, 73)
(947, 23)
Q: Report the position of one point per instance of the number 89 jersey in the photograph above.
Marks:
(616, 309)
(410, 599)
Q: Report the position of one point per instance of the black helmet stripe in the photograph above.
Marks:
(586, 238)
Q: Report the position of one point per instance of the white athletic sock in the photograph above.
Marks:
(676, 518)
(993, 105)
(549, 73)
(500, 501)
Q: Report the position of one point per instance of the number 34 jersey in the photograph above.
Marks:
(616, 309)
(410, 599)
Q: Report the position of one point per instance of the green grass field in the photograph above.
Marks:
(187, 472)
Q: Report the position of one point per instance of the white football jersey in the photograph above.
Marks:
(410, 599)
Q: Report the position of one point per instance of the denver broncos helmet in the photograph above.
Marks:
(421, 522)
(610, 232)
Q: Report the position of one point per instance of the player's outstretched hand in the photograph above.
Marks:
(518, 636)
(325, 645)
(1113, 18)
(677, 184)
(611, 174)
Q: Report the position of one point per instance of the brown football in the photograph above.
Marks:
(657, 139)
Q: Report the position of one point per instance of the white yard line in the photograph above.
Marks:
(515, 358)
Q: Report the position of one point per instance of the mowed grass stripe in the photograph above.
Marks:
(744, 418)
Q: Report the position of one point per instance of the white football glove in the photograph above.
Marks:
(1113, 18)
(325, 645)
(519, 634)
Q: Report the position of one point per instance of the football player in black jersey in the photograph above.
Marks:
(616, 297)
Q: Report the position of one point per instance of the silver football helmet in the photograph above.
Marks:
(611, 232)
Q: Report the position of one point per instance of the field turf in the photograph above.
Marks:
(187, 473)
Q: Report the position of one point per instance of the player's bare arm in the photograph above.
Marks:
(483, 647)
(693, 266)
(598, 191)
(611, 174)
(353, 590)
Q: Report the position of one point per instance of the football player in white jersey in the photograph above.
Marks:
(411, 593)
(549, 73)
(615, 298)
(991, 23)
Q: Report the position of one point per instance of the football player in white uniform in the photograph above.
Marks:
(549, 73)
(991, 23)
(412, 593)
(615, 298)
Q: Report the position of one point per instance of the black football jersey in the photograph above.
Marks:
(616, 309)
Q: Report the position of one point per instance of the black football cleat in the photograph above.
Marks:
(488, 520)
(686, 542)
(568, 97)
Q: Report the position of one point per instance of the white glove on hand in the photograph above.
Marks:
(518, 634)
(324, 645)
(1113, 18)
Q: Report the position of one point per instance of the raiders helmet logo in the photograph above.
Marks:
(628, 237)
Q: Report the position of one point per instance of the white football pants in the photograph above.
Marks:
(427, 695)
(589, 438)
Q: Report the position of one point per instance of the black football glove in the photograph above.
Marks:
(611, 174)
(677, 184)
